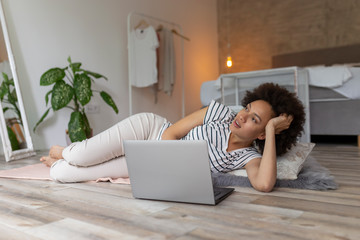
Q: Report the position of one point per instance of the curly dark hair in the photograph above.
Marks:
(281, 101)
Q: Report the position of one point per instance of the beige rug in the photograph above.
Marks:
(42, 172)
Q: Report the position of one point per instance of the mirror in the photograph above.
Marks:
(14, 130)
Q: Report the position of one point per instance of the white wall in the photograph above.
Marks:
(45, 32)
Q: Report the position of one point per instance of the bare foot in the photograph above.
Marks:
(47, 160)
(56, 152)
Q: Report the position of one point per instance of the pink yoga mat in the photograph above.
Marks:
(42, 172)
(36, 171)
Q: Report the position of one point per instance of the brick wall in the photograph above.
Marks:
(260, 29)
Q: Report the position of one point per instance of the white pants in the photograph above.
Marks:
(103, 154)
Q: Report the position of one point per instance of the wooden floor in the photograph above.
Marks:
(32, 209)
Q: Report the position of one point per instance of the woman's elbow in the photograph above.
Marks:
(264, 187)
(168, 135)
(262, 182)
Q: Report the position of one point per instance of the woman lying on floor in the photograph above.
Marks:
(269, 124)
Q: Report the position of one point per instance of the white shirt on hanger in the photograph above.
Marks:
(142, 47)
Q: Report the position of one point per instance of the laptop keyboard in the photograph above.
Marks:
(217, 192)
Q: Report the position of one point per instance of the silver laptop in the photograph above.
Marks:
(171, 170)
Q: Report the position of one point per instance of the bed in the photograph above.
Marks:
(331, 94)
(334, 111)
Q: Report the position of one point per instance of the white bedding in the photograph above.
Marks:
(329, 77)
(351, 88)
(209, 91)
(342, 79)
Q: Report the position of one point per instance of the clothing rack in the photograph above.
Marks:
(179, 32)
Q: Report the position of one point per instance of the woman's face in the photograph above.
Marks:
(249, 124)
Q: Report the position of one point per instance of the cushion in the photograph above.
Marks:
(290, 164)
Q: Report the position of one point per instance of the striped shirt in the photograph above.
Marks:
(216, 131)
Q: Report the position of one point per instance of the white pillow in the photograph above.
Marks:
(290, 164)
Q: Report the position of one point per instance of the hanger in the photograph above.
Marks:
(176, 32)
(142, 24)
(159, 28)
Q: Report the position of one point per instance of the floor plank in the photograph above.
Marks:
(33, 209)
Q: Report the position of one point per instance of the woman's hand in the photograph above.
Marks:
(280, 123)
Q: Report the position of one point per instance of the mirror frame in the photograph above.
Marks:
(8, 152)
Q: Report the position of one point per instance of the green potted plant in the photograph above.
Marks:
(9, 97)
(72, 89)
